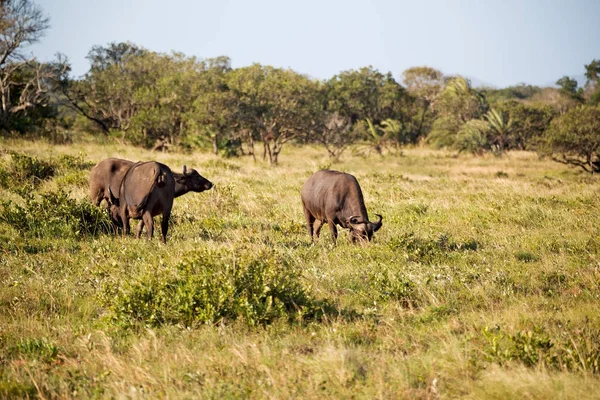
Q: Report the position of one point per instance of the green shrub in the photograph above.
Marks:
(211, 287)
(38, 349)
(25, 168)
(56, 215)
(568, 349)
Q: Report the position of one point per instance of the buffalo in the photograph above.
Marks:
(335, 198)
(147, 189)
(109, 172)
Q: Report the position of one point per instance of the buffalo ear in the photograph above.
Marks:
(113, 199)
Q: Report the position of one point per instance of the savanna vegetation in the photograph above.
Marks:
(482, 282)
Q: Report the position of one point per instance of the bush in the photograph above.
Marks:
(24, 169)
(574, 138)
(55, 215)
(569, 349)
(211, 287)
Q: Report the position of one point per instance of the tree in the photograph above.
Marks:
(214, 106)
(426, 84)
(105, 94)
(592, 73)
(458, 104)
(574, 138)
(365, 98)
(568, 87)
(528, 123)
(278, 104)
(499, 130)
(24, 83)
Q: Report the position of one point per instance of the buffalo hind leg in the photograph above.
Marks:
(164, 224)
(147, 221)
(310, 220)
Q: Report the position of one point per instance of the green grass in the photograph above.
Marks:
(482, 282)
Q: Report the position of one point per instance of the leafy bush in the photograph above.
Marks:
(389, 284)
(574, 138)
(210, 287)
(54, 214)
(39, 349)
(418, 248)
(569, 349)
(472, 137)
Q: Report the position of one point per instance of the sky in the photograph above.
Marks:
(495, 42)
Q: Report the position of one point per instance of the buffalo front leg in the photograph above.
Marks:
(140, 229)
(333, 230)
(318, 226)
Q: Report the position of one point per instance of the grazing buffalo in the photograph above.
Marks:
(335, 198)
(147, 189)
(109, 172)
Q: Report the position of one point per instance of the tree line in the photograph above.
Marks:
(159, 100)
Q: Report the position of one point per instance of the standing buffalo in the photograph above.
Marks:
(147, 189)
(334, 197)
(109, 172)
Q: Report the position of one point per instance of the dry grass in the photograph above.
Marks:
(509, 244)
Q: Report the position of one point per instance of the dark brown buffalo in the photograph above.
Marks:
(109, 172)
(147, 189)
(335, 198)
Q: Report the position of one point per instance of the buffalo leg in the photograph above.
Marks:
(140, 229)
(125, 220)
(164, 224)
(333, 230)
(309, 222)
(147, 220)
(318, 226)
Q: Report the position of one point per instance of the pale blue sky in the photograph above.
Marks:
(501, 42)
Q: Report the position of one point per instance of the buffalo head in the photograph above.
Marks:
(362, 230)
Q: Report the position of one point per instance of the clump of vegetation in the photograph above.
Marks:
(54, 215)
(38, 349)
(210, 287)
(418, 248)
(566, 350)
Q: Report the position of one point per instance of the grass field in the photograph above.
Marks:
(482, 283)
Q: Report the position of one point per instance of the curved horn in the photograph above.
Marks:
(377, 224)
(355, 219)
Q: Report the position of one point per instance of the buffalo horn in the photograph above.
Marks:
(355, 219)
(377, 224)
(184, 169)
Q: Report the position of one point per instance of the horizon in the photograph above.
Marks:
(535, 43)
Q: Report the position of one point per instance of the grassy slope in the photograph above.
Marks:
(511, 244)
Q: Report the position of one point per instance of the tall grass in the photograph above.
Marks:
(482, 282)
